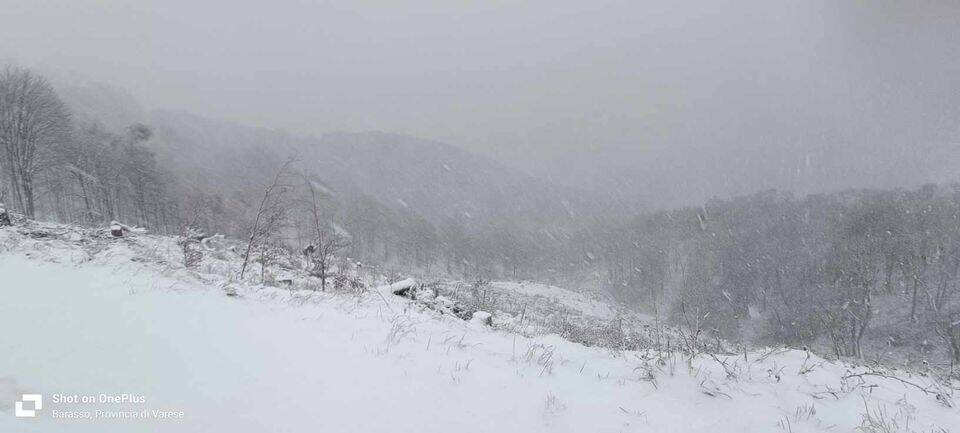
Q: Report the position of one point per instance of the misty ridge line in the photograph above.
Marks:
(656, 104)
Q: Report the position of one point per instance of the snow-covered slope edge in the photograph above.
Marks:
(91, 317)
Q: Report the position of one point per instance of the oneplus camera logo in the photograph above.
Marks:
(37, 401)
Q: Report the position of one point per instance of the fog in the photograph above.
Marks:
(358, 200)
(657, 101)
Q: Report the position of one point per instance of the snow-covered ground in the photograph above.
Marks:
(86, 317)
(544, 295)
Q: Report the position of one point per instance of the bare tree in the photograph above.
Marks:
(329, 242)
(32, 120)
(326, 241)
(271, 214)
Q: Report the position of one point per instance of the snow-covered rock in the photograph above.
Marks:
(482, 318)
(399, 287)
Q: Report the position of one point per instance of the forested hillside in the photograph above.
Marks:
(408, 201)
(859, 273)
(864, 273)
(404, 202)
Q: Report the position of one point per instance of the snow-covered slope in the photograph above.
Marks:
(551, 297)
(84, 316)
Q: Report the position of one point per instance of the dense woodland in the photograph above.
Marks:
(77, 173)
(858, 273)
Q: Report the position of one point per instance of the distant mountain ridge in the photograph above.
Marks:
(406, 201)
(434, 180)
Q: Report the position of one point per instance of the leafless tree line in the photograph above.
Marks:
(859, 273)
(33, 123)
(83, 174)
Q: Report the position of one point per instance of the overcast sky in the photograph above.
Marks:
(666, 100)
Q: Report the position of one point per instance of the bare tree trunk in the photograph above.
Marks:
(270, 214)
(86, 198)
